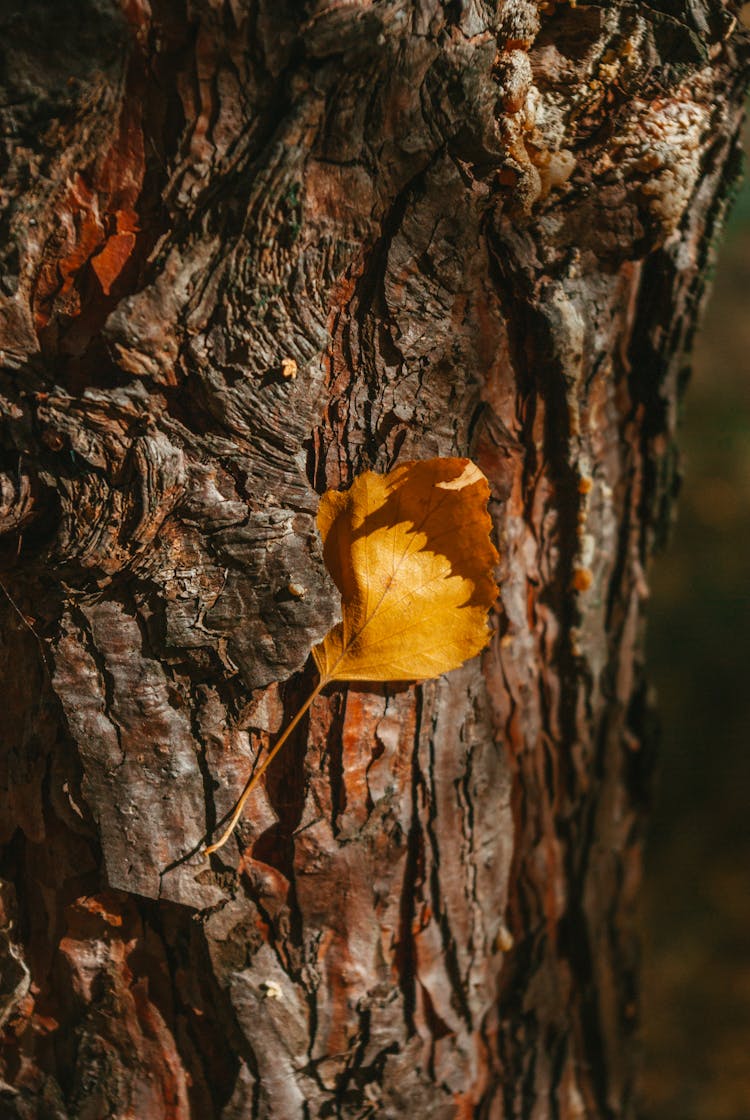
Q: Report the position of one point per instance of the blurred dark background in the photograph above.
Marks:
(696, 999)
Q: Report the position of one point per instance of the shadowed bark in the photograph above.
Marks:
(250, 250)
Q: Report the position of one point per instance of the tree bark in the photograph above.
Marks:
(249, 251)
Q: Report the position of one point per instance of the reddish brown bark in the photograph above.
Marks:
(250, 251)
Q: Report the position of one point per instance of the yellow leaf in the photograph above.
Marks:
(411, 554)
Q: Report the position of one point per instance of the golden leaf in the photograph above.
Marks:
(410, 552)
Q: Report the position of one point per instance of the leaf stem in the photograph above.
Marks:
(258, 774)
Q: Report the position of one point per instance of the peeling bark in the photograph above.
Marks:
(248, 252)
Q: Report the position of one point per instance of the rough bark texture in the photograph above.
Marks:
(251, 249)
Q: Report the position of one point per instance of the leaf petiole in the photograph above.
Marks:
(258, 774)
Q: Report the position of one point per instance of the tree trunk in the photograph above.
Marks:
(251, 250)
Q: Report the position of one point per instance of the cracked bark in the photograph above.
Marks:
(249, 251)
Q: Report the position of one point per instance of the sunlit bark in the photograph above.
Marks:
(249, 251)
